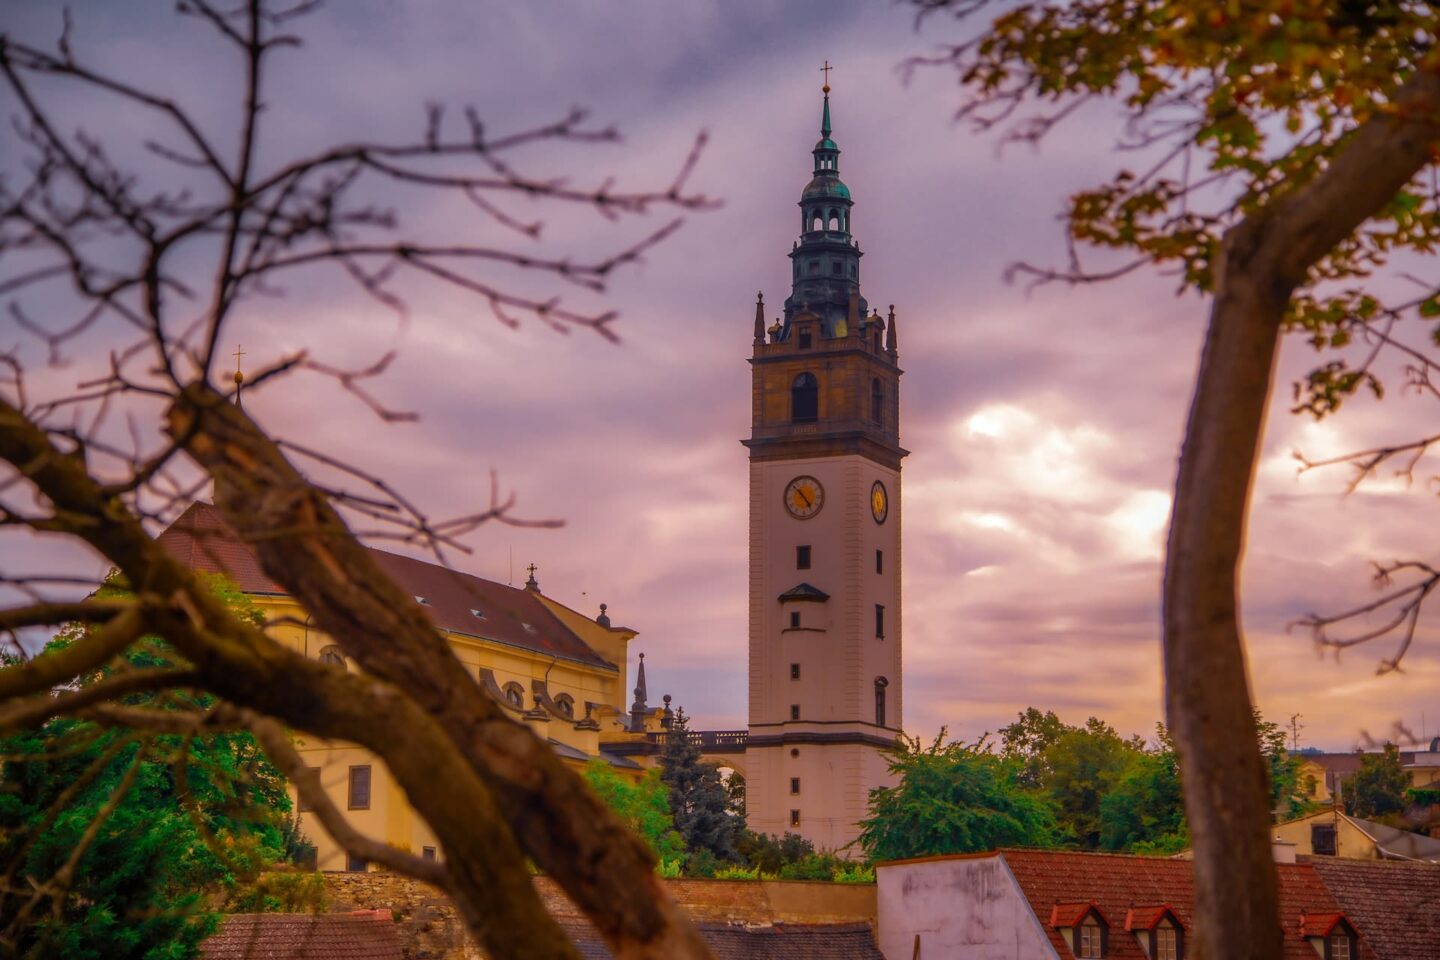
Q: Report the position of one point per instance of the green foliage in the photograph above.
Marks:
(1282, 770)
(643, 805)
(1378, 788)
(671, 868)
(179, 824)
(737, 873)
(770, 855)
(1238, 104)
(281, 891)
(1145, 812)
(1026, 740)
(855, 873)
(1084, 765)
(1423, 796)
(952, 798)
(698, 796)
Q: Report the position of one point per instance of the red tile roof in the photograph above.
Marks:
(1115, 882)
(727, 941)
(298, 936)
(1394, 906)
(1319, 924)
(1146, 917)
(1070, 914)
(200, 538)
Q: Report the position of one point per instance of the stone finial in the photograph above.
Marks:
(891, 341)
(667, 719)
(760, 319)
(604, 618)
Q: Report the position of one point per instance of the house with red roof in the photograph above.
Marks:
(1064, 905)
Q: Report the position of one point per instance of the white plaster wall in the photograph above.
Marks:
(963, 909)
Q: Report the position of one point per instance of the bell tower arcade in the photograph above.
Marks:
(825, 681)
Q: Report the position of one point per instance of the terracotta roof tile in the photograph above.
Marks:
(1116, 882)
(1145, 917)
(1393, 906)
(454, 601)
(298, 936)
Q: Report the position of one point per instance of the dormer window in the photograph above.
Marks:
(332, 654)
(515, 694)
(565, 704)
(477, 614)
(1084, 928)
(1159, 931)
(422, 601)
(1330, 935)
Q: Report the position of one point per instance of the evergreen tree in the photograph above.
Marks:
(698, 798)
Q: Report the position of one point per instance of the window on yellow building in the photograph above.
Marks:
(359, 793)
(302, 805)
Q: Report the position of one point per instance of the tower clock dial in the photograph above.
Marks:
(804, 496)
(879, 502)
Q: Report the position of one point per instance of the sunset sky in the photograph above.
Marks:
(1043, 424)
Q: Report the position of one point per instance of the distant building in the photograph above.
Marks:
(1331, 833)
(1321, 775)
(1052, 905)
(559, 672)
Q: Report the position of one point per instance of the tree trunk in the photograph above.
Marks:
(1207, 696)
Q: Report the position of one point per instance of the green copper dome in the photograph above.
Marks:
(825, 186)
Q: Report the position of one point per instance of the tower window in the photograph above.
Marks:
(877, 400)
(805, 339)
(834, 221)
(795, 619)
(794, 711)
(794, 818)
(852, 271)
(802, 557)
(879, 621)
(817, 224)
(794, 785)
(836, 268)
(880, 684)
(805, 398)
(794, 671)
(879, 561)
(814, 265)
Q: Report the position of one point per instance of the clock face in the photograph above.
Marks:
(879, 502)
(804, 497)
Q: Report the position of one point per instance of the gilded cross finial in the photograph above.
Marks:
(532, 568)
(826, 70)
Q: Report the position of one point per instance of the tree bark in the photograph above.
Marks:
(1208, 705)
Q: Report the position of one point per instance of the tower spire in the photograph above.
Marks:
(759, 319)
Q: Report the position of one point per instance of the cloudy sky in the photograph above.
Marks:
(1043, 425)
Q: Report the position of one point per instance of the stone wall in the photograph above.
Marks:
(430, 928)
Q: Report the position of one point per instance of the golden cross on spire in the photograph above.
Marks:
(239, 352)
(826, 70)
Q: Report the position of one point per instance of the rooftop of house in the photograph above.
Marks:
(1393, 905)
(1392, 843)
(731, 941)
(457, 602)
(302, 936)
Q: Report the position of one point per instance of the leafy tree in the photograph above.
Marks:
(1026, 741)
(698, 797)
(1378, 788)
(1145, 812)
(1083, 764)
(1289, 151)
(118, 846)
(1282, 769)
(952, 798)
(643, 806)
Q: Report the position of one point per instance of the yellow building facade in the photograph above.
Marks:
(558, 671)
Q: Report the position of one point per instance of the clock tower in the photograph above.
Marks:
(825, 457)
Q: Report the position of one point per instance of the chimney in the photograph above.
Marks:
(1283, 850)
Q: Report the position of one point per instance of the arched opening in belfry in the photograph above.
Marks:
(804, 399)
(880, 684)
(877, 398)
(833, 221)
(818, 223)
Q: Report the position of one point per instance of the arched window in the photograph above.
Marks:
(333, 655)
(566, 705)
(515, 694)
(833, 221)
(880, 684)
(804, 399)
(818, 223)
(877, 400)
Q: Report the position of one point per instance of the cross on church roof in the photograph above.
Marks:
(826, 70)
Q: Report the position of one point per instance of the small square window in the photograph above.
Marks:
(794, 671)
(794, 619)
(427, 853)
(879, 561)
(794, 784)
(802, 557)
(794, 818)
(359, 794)
(355, 864)
(794, 711)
